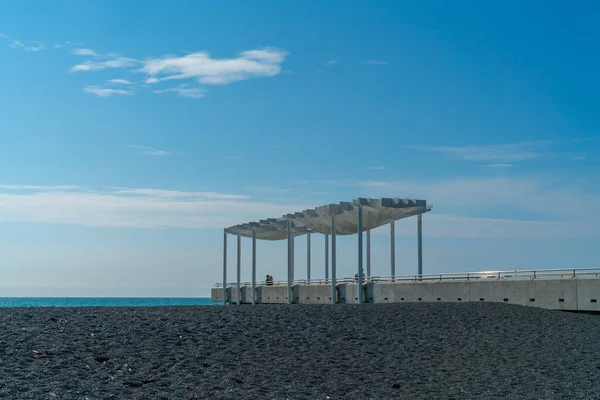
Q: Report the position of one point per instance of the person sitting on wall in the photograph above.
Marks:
(269, 281)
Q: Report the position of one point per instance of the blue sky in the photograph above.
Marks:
(133, 133)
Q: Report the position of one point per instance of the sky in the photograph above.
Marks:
(133, 132)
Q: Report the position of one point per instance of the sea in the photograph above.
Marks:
(103, 301)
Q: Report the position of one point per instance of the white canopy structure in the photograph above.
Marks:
(345, 218)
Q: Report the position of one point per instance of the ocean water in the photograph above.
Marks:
(102, 301)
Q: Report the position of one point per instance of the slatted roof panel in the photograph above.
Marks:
(376, 212)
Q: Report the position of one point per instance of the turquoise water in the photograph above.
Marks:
(102, 301)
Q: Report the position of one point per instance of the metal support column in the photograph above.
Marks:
(238, 288)
(289, 274)
(308, 258)
(326, 256)
(333, 261)
(420, 243)
(224, 294)
(253, 266)
(360, 255)
(393, 248)
(368, 255)
(293, 259)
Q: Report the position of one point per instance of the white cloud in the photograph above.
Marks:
(376, 168)
(498, 165)
(38, 187)
(120, 62)
(104, 92)
(579, 158)
(176, 193)
(200, 66)
(376, 62)
(27, 45)
(538, 195)
(136, 208)
(330, 62)
(320, 71)
(84, 52)
(119, 81)
(194, 93)
(513, 152)
(157, 153)
(149, 151)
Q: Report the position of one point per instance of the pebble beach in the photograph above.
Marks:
(373, 351)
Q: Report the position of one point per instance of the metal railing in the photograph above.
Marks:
(566, 273)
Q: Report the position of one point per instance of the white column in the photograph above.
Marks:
(239, 269)
(224, 293)
(326, 256)
(308, 258)
(289, 275)
(420, 243)
(393, 248)
(360, 255)
(368, 255)
(253, 266)
(333, 260)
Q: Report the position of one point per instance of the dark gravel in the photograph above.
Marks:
(392, 351)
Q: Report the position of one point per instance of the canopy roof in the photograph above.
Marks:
(376, 212)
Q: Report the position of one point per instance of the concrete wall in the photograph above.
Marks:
(273, 294)
(348, 293)
(588, 294)
(313, 294)
(581, 294)
(216, 294)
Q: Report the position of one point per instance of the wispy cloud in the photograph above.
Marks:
(375, 168)
(526, 207)
(106, 92)
(331, 62)
(320, 71)
(498, 165)
(136, 208)
(376, 62)
(30, 45)
(84, 52)
(506, 153)
(579, 158)
(27, 45)
(211, 71)
(119, 81)
(119, 62)
(184, 91)
(149, 151)
(38, 187)
(177, 193)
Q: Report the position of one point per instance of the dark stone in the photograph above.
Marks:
(133, 383)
